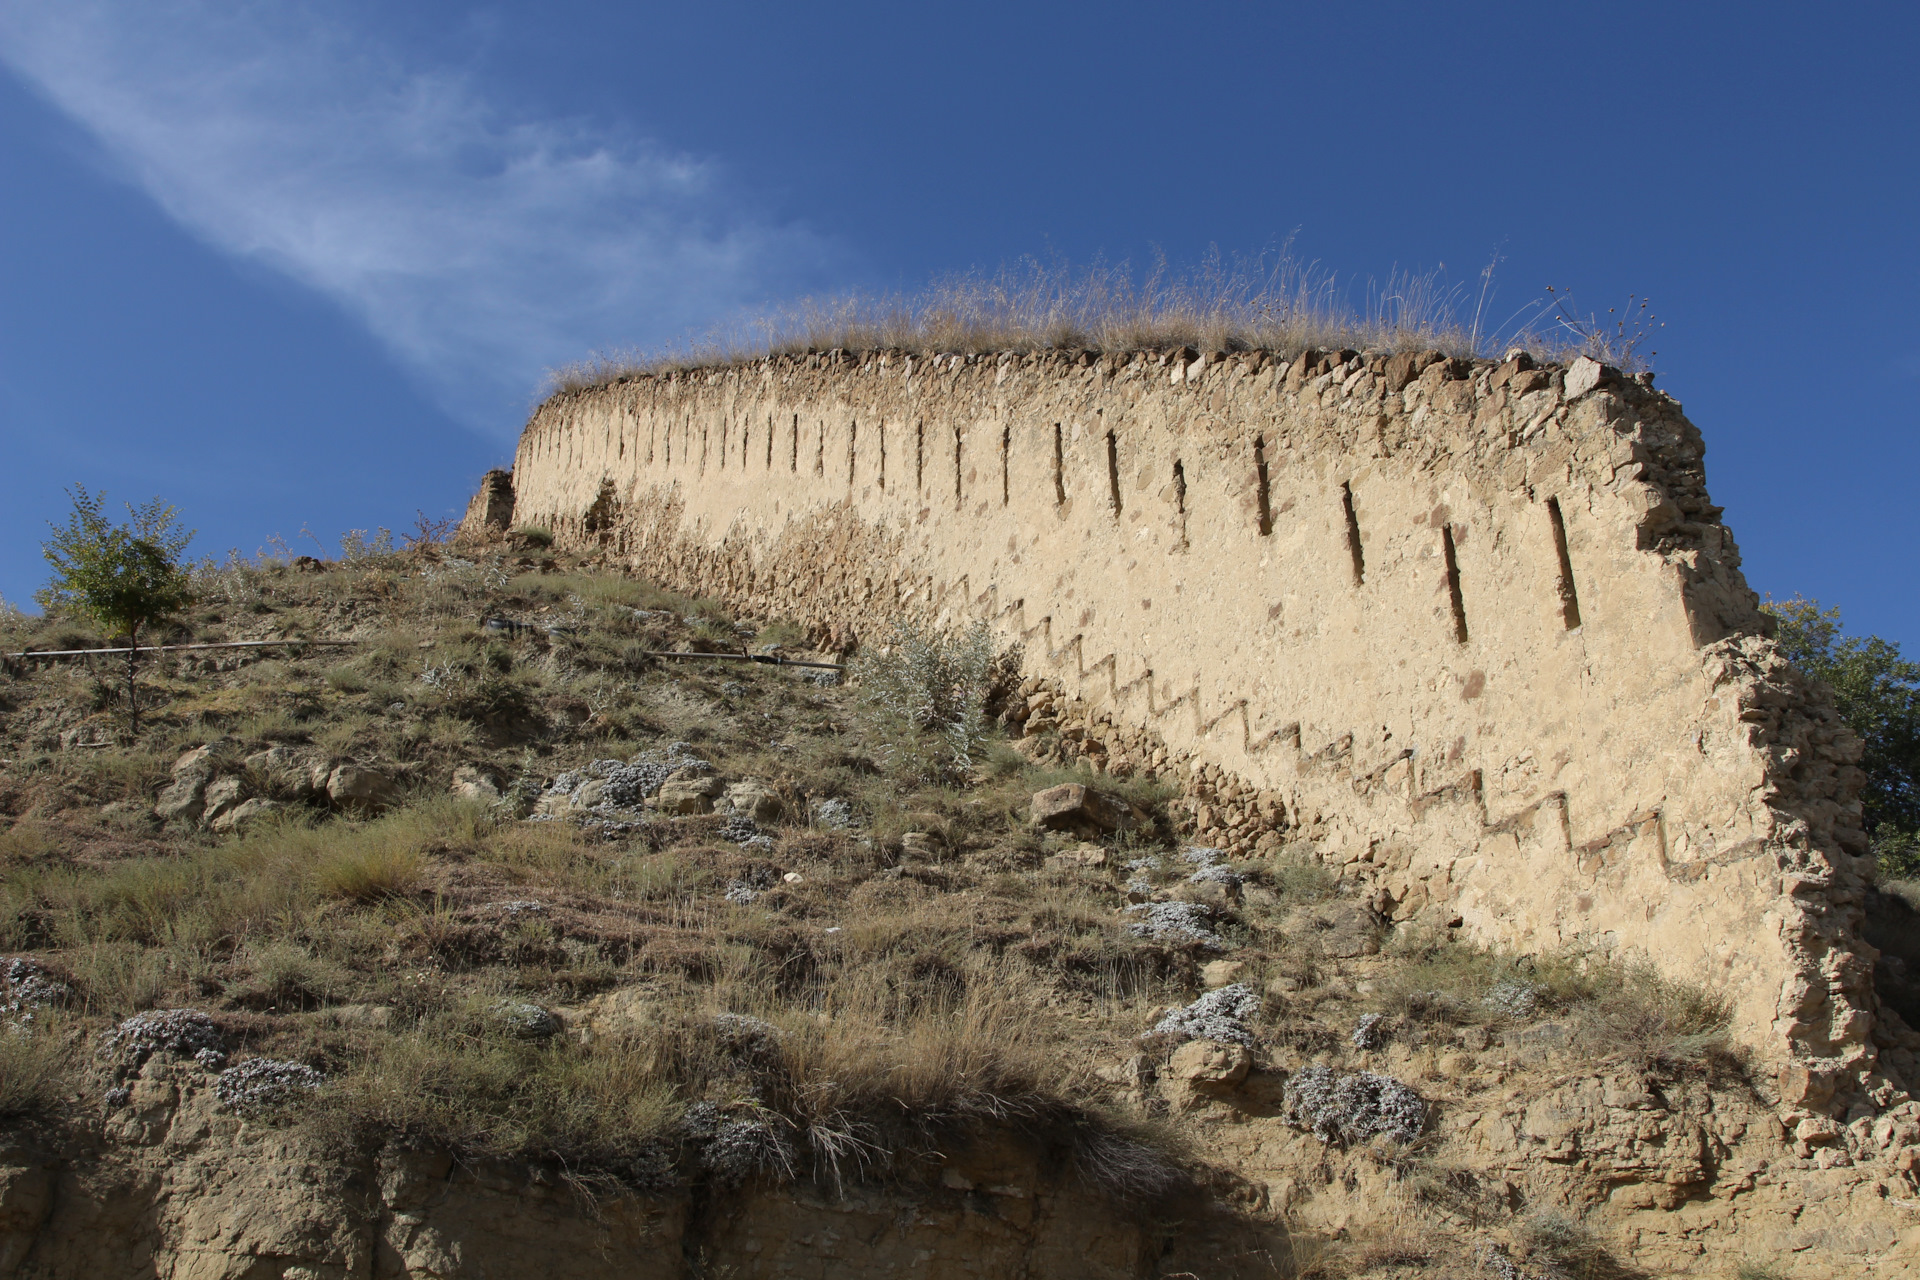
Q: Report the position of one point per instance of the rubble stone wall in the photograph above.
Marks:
(1473, 634)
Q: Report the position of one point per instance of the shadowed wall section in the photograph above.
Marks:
(1473, 634)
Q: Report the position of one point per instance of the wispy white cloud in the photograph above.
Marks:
(480, 247)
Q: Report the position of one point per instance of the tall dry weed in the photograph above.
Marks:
(1275, 303)
(35, 1067)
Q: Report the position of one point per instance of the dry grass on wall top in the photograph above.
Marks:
(1281, 305)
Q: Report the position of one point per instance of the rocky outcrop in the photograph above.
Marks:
(178, 1185)
(490, 513)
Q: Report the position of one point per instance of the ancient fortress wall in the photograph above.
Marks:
(1473, 634)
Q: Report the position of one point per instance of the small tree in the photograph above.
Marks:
(122, 576)
(1877, 693)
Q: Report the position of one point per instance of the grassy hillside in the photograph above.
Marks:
(489, 876)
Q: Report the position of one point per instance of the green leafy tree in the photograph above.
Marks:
(1877, 693)
(124, 577)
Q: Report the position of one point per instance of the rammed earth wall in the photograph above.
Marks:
(1473, 633)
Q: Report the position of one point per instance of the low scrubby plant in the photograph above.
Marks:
(923, 695)
(1611, 1006)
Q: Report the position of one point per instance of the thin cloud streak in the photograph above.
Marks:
(480, 248)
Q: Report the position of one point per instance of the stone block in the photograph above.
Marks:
(221, 795)
(1583, 375)
(1074, 807)
(1221, 973)
(355, 786)
(183, 798)
(471, 782)
(244, 812)
(689, 791)
(1804, 1084)
(1208, 1062)
(754, 799)
(1085, 857)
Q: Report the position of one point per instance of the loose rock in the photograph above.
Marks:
(1073, 807)
(354, 786)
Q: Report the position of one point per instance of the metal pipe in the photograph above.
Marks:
(169, 648)
(765, 658)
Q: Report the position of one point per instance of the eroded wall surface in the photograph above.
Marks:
(1473, 633)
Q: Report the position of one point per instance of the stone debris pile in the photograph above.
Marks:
(1513, 999)
(1224, 1015)
(835, 813)
(746, 888)
(213, 787)
(178, 1031)
(258, 1083)
(620, 789)
(1175, 922)
(525, 1020)
(26, 985)
(734, 1148)
(744, 831)
(1350, 1108)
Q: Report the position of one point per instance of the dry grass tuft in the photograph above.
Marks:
(1613, 1008)
(368, 871)
(1278, 304)
(35, 1068)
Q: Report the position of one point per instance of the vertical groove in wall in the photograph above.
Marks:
(853, 443)
(1569, 601)
(1180, 500)
(820, 451)
(957, 496)
(703, 448)
(1263, 487)
(795, 466)
(1353, 534)
(1113, 472)
(882, 429)
(1059, 469)
(1006, 475)
(919, 455)
(769, 442)
(1453, 584)
(649, 441)
(723, 444)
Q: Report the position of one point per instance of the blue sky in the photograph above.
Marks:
(303, 265)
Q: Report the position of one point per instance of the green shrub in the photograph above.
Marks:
(534, 535)
(923, 697)
(1877, 693)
